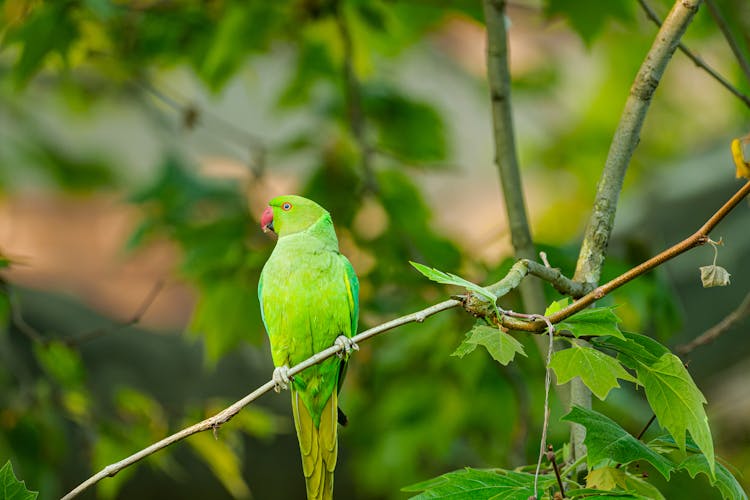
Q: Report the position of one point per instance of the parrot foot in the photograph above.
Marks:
(347, 345)
(281, 378)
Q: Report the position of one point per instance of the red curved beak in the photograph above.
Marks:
(266, 220)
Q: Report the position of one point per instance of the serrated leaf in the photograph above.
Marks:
(724, 480)
(607, 441)
(480, 484)
(714, 275)
(677, 402)
(597, 370)
(451, 279)
(597, 321)
(501, 346)
(11, 488)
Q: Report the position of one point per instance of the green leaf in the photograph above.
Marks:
(50, 29)
(606, 478)
(723, 480)
(633, 348)
(607, 442)
(11, 488)
(642, 487)
(597, 321)
(451, 279)
(597, 370)
(501, 346)
(677, 402)
(478, 484)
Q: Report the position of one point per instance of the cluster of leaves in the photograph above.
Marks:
(676, 401)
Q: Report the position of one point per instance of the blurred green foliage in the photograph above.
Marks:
(415, 410)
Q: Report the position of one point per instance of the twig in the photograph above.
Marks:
(555, 277)
(697, 60)
(645, 427)
(193, 115)
(133, 320)
(227, 414)
(718, 329)
(17, 316)
(643, 431)
(553, 461)
(727, 32)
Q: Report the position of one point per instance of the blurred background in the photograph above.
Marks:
(140, 141)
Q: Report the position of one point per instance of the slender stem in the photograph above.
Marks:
(697, 60)
(551, 457)
(718, 329)
(721, 22)
(225, 415)
(506, 159)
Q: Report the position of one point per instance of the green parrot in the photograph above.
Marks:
(309, 297)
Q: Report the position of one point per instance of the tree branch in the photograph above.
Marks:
(724, 27)
(718, 329)
(700, 237)
(697, 60)
(626, 138)
(225, 415)
(506, 159)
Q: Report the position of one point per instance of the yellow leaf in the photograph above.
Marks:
(606, 478)
(738, 155)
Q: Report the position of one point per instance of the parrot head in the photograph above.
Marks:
(290, 214)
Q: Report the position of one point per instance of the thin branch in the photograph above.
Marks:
(697, 60)
(192, 115)
(718, 329)
(133, 320)
(225, 415)
(557, 279)
(721, 22)
(17, 318)
(552, 459)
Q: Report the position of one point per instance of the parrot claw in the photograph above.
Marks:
(347, 345)
(281, 378)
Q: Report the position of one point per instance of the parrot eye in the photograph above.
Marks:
(286, 206)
